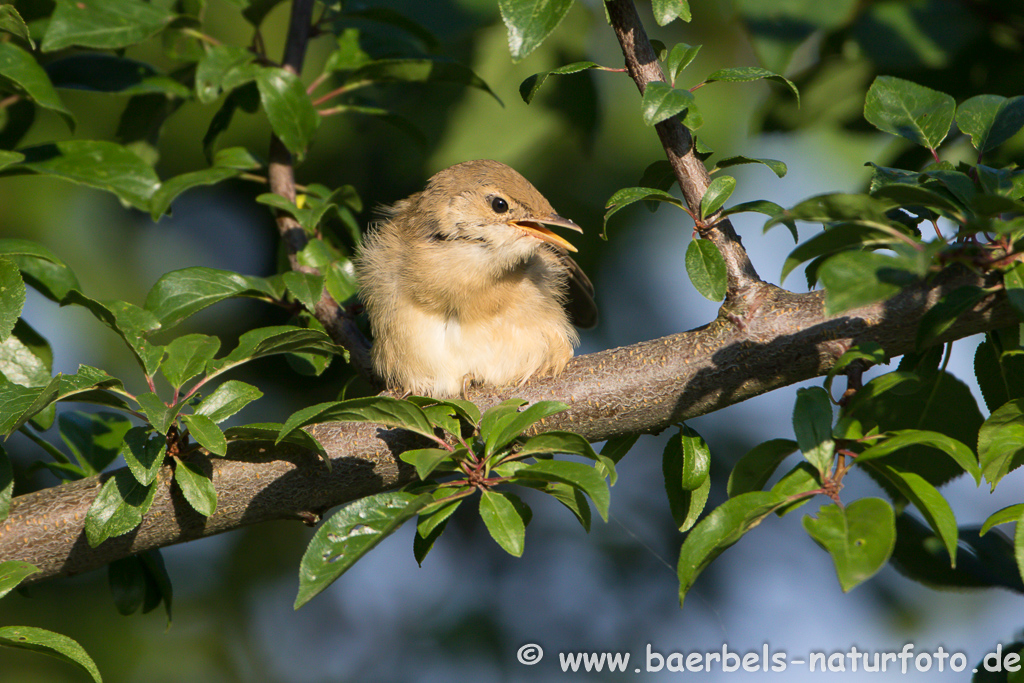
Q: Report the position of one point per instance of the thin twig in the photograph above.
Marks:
(281, 176)
(642, 65)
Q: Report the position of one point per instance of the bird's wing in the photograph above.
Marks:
(580, 304)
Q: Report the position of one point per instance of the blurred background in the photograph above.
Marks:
(466, 612)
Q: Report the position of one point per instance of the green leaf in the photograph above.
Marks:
(159, 414)
(719, 530)
(568, 442)
(686, 469)
(98, 164)
(288, 107)
(172, 187)
(909, 110)
(26, 357)
(755, 468)
(661, 101)
(384, 410)
(529, 22)
(998, 367)
(103, 24)
(854, 278)
(940, 317)
(742, 74)
(514, 424)
(777, 167)
(40, 267)
(929, 501)
(990, 120)
(182, 293)
(616, 447)
(14, 572)
(100, 72)
(49, 643)
(1013, 279)
(118, 508)
(706, 269)
(812, 423)
(143, 451)
(432, 523)
(95, 439)
(349, 534)
(718, 192)
(1001, 441)
(6, 157)
(206, 433)
(900, 439)
(836, 238)
(795, 484)
(131, 323)
(575, 474)
(196, 486)
(268, 431)
(212, 70)
(860, 537)
(11, 22)
(229, 398)
(305, 287)
(679, 58)
(1010, 513)
(6, 493)
(269, 341)
(529, 87)
(504, 520)
(667, 11)
(19, 71)
(426, 460)
(341, 281)
(187, 356)
(464, 409)
(631, 195)
(22, 403)
(12, 296)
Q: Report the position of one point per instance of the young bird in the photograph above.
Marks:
(463, 283)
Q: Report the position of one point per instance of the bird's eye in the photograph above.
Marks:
(499, 205)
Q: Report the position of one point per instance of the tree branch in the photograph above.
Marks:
(642, 65)
(642, 388)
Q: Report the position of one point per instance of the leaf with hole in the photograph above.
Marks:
(860, 538)
(49, 643)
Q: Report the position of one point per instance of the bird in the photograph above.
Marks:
(464, 284)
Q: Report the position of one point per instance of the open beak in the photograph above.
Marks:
(535, 228)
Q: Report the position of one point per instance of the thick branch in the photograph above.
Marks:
(642, 65)
(281, 176)
(642, 388)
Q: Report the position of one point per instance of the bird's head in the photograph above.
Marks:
(487, 202)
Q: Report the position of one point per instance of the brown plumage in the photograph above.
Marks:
(463, 283)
